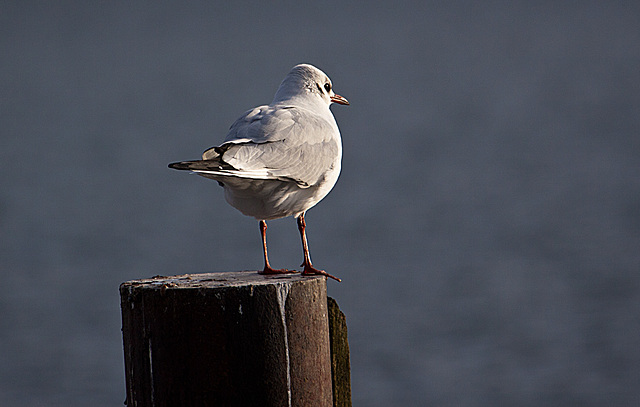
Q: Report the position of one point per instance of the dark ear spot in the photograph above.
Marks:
(319, 88)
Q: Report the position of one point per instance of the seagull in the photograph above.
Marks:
(281, 159)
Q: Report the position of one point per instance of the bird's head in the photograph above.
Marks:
(308, 83)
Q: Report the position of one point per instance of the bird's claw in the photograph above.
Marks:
(312, 271)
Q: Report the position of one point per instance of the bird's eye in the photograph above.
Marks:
(327, 86)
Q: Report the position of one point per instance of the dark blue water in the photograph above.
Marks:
(486, 224)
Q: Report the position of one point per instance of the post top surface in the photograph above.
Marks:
(219, 279)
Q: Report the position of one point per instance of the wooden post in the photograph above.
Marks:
(340, 364)
(228, 339)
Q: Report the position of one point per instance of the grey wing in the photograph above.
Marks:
(258, 125)
(255, 126)
(285, 143)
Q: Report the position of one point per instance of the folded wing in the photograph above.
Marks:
(284, 143)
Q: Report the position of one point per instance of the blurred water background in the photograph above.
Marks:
(486, 224)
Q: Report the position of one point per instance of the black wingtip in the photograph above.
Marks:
(182, 165)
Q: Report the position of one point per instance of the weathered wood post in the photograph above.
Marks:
(227, 339)
(340, 364)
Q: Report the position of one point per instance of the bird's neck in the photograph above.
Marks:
(305, 100)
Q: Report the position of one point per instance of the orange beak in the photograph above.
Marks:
(339, 100)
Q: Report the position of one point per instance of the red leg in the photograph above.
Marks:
(267, 267)
(306, 263)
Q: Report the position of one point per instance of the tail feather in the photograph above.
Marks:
(215, 169)
(200, 165)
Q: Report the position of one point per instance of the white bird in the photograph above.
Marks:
(280, 159)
